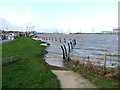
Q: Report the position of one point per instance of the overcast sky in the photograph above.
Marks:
(62, 15)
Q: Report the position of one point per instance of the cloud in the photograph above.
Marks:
(61, 12)
(28, 16)
(106, 23)
(16, 18)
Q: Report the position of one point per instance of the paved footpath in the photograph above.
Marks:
(4, 41)
(70, 79)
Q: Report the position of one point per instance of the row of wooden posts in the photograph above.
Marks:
(54, 39)
(66, 51)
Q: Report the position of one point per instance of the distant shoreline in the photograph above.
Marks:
(86, 33)
(99, 33)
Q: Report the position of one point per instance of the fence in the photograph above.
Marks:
(84, 62)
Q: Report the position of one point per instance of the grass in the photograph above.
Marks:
(99, 81)
(0, 66)
(28, 69)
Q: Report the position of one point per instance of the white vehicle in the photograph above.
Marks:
(11, 36)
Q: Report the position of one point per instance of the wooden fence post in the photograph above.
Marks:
(74, 41)
(52, 38)
(60, 40)
(46, 38)
(104, 67)
(49, 38)
(55, 39)
(71, 45)
(64, 40)
(63, 52)
(88, 60)
(68, 47)
(68, 51)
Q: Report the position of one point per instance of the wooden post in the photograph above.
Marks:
(60, 40)
(71, 45)
(63, 52)
(46, 38)
(52, 38)
(68, 51)
(74, 41)
(49, 38)
(68, 47)
(104, 67)
(55, 39)
(89, 65)
(64, 40)
(88, 60)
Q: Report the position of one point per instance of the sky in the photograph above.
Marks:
(62, 15)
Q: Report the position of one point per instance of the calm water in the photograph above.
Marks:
(94, 46)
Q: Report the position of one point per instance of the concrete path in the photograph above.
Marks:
(70, 79)
(4, 41)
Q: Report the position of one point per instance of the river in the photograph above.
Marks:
(92, 45)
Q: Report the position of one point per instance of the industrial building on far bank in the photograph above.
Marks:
(115, 31)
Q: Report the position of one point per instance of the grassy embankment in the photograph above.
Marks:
(28, 69)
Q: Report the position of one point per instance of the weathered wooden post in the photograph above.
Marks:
(68, 51)
(49, 38)
(68, 47)
(56, 39)
(74, 41)
(89, 65)
(52, 38)
(60, 40)
(63, 52)
(64, 40)
(71, 45)
(104, 67)
(88, 60)
(46, 38)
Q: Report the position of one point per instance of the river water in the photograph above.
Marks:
(92, 45)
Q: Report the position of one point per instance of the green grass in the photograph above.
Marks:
(0, 50)
(100, 83)
(28, 70)
(0, 66)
